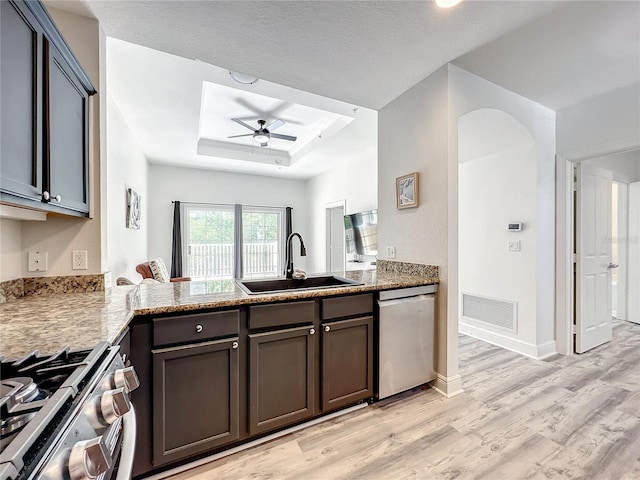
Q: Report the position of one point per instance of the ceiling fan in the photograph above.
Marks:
(262, 134)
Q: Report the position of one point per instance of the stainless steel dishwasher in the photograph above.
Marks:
(407, 338)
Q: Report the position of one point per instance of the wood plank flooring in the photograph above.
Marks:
(572, 417)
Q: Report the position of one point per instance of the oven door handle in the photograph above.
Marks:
(127, 453)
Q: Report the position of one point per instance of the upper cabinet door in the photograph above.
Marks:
(21, 100)
(67, 134)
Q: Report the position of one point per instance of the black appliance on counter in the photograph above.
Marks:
(67, 415)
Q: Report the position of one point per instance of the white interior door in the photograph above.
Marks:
(593, 263)
(633, 272)
(335, 239)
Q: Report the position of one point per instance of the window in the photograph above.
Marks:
(210, 235)
(262, 242)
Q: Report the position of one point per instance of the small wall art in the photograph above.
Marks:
(407, 191)
(133, 209)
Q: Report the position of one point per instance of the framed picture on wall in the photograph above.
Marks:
(133, 209)
(407, 191)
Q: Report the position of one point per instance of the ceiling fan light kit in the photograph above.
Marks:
(447, 3)
(263, 134)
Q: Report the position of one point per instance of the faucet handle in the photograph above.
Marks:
(299, 274)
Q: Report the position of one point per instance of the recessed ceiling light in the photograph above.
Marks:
(243, 78)
(447, 3)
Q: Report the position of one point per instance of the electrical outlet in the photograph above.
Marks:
(79, 260)
(391, 252)
(38, 261)
(514, 246)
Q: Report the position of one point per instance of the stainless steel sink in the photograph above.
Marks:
(276, 285)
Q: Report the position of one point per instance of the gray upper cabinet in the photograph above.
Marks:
(45, 114)
(21, 102)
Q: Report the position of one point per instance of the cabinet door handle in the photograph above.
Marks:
(234, 345)
(327, 328)
(57, 198)
(312, 331)
(198, 328)
(46, 196)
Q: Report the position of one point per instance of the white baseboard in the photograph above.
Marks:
(448, 386)
(538, 352)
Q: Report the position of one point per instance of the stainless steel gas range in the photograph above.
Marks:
(67, 415)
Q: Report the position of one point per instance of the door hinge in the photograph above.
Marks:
(575, 258)
(573, 329)
(189, 250)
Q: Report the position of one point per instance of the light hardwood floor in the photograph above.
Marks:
(572, 417)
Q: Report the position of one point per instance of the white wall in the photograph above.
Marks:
(497, 187)
(625, 166)
(207, 186)
(59, 236)
(467, 93)
(413, 137)
(10, 249)
(602, 124)
(126, 168)
(353, 180)
(633, 312)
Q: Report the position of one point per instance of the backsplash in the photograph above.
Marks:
(406, 268)
(13, 289)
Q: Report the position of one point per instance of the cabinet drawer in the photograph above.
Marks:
(281, 314)
(194, 328)
(347, 306)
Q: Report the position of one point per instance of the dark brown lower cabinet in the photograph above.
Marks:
(281, 378)
(195, 399)
(347, 362)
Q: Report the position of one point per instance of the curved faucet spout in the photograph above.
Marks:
(289, 258)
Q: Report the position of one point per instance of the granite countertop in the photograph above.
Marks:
(81, 320)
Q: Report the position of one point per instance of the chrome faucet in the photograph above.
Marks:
(289, 258)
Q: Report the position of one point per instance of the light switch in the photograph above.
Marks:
(391, 252)
(38, 261)
(514, 246)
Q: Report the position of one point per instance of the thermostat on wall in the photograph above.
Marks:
(514, 227)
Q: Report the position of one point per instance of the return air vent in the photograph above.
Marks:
(500, 313)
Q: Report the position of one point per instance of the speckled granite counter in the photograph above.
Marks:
(81, 320)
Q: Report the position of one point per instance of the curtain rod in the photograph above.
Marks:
(226, 204)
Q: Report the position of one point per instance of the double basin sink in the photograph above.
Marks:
(279, 285)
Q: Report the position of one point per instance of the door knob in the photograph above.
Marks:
(613, 265)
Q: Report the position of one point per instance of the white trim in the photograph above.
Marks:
(259, 441)
(448, 386)
(327, 231)
(564, 255)
(565, 234)
(537, 352)
(12, 212)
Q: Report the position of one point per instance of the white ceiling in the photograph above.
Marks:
(180, 111)
(581, 50)
(361, 52)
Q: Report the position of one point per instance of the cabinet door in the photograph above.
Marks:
(281, 378)
(195, 399)
(347, 362)
(21, 100)
(67, 134)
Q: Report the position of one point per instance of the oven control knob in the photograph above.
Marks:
(89, 459)
(126, 378)
(114, 404)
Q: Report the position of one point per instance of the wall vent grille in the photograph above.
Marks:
(500, 313)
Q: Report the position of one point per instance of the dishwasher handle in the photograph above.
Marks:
(404, 301)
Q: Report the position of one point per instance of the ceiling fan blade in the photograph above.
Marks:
(275, 124)
(284, 137)
(245, 135)
(237, 120)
